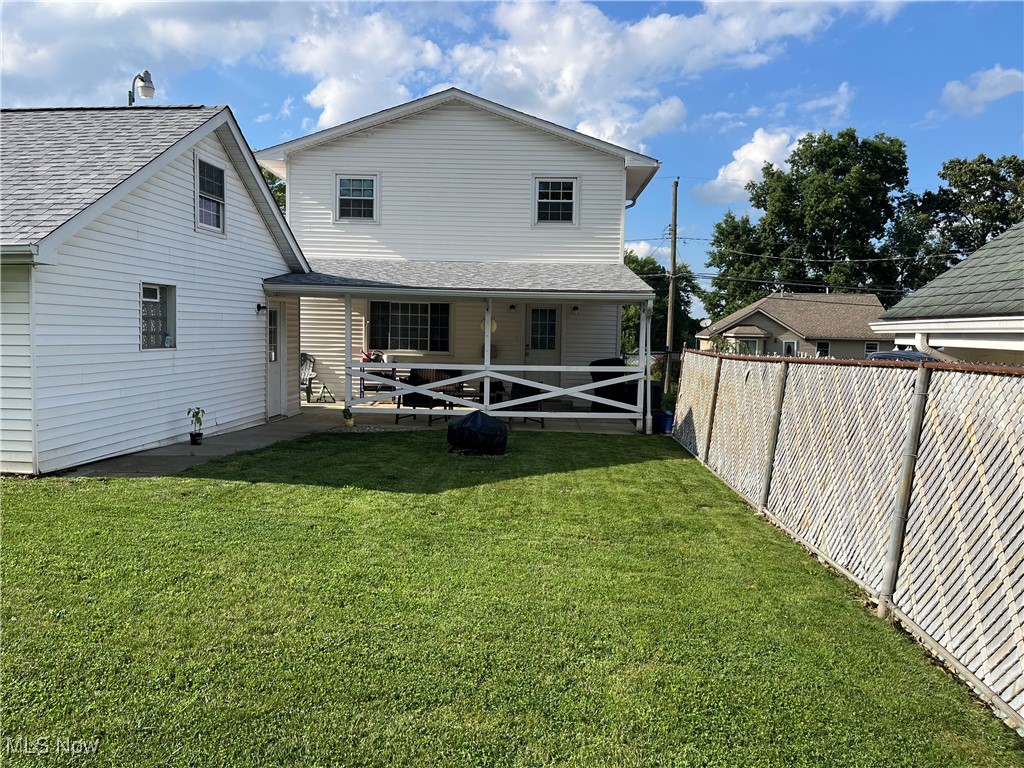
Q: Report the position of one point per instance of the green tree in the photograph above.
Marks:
(656, 276)
(744, 273)
(277, 187)
(982, 198)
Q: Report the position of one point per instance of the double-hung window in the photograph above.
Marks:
(157, 316)
(358, 198)
(409, 325)
(209, 196)
(822, 349)
(556, 200)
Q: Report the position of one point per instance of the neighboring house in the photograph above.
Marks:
(803, 325)
(974, 311)
(438, 215)
(134, 243)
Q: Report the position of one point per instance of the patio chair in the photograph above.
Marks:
(522, 390)
(307, 374)
(623, 392)
(418, 377)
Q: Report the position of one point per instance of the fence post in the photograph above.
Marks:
(711, 410)
(898, 526)
(773, 435)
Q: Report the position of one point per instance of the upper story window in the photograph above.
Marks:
(555, 200)
(209, 196)
(358, 198)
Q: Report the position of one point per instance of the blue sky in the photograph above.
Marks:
(712, 90)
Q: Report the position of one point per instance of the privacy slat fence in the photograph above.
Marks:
(820, 448)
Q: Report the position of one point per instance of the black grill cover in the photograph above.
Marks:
(479, 434)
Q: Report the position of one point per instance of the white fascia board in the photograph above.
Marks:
(118, 193)
(435, 293)
(1005, 324)
(275, 157)
(19, 254)
(276, 220)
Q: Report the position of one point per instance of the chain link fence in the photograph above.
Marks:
(823, 448)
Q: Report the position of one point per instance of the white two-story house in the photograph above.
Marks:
(467, 242)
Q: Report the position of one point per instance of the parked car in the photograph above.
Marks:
(904, 356)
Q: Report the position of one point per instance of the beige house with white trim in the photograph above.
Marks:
(802, 325)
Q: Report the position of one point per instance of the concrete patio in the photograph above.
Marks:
(315, 417)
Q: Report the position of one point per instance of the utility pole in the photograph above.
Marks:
(670, 332)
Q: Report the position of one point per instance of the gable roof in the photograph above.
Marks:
(811, 315)
(61, 167)
(392, 277)
(640, 169)
(988, 283)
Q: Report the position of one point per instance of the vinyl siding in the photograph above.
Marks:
(588, 336)
(98, 393)
(293, 333)
(456, 183)
(16, 439)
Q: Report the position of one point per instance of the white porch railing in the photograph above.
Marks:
(472, 386)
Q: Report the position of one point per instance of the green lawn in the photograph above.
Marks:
(369, 599)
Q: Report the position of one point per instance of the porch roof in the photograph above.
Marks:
(481, 279)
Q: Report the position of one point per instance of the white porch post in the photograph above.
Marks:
(487, 353)
(645, 325)
(348, 349)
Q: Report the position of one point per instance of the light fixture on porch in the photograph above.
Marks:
(575, 309)
(494, 325)
(511, 309)
(146, 87)
(260, 309)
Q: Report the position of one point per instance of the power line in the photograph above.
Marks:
(815, 261)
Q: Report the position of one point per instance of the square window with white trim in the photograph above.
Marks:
(358, 198)
(410, 326)
(209, 196)
(555, 201)
(157, 316)
(822, 349)
(869, 347)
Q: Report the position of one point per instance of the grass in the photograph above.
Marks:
(370, 600)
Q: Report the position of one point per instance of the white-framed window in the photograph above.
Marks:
(209, 196)
(556, 200)
(272, 335)
(822, 349)
(410, 325)
(789, 348)
(358, 197)
(157, 316)
(869, 347)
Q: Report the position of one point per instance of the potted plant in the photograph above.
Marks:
(346, 414)
(196, 435)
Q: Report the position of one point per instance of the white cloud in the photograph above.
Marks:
(286, 108)
(567, 62)
(641, 248)
(729, 186)
(264, 118)
(984, 86)
(831, 109)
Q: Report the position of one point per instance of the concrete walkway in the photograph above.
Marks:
(170, 459)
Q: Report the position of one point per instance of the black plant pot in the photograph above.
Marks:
(196, 438)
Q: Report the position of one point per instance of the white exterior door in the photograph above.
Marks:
(543, 342)
(276, 387)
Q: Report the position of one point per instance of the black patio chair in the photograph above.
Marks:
(623, 391)
(522, 390)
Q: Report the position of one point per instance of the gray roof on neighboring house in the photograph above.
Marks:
(506, 278)
(812, 315)
(55, 163)
(988, 283)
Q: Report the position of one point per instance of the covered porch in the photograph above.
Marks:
(514, 340)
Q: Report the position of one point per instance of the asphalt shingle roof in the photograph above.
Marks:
(55, 163)
(988, 283)
(813, 315)
(483, 276)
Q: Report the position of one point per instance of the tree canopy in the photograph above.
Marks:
(656, 276)
(840, 218)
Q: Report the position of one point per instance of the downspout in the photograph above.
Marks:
(921, 342)
(630, 204)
